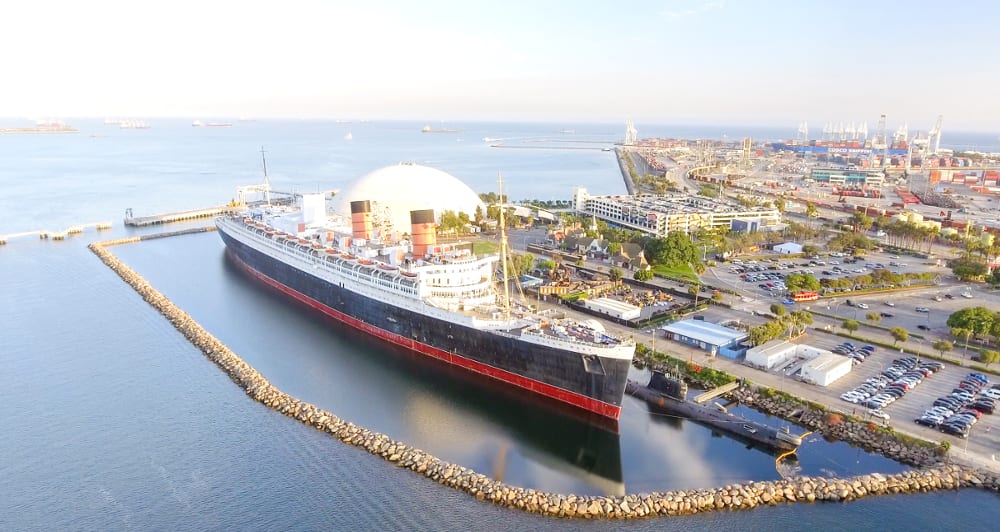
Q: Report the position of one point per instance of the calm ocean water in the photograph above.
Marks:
(113, 421)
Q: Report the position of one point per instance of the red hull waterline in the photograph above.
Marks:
(541, 388)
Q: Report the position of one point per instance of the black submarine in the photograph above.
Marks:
(668, 395)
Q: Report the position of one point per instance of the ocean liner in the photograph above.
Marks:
(436, 299)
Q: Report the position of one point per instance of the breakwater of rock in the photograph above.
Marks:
(670, 503)
(869, 435)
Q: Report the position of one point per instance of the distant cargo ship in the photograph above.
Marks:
(199, 123)
(428, 129)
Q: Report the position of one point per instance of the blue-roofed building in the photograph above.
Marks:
(711, 337)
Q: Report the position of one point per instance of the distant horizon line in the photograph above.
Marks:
(791, 126)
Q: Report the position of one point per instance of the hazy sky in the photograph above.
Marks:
(724, 61)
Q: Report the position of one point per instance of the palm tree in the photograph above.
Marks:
(959, 332)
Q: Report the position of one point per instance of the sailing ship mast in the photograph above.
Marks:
(503, 252)
(267, 181)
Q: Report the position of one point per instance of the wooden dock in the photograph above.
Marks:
(169, 217)
(712, 394)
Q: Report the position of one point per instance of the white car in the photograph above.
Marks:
(863, 305)
(923, 309)
(940, 411)
(879, 414)
(890, 304)
(992, 393)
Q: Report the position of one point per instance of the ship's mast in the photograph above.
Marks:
(267, 181)
(503, 252)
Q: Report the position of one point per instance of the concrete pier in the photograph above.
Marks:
(169, 217)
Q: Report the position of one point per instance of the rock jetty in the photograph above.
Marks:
(670, 503)
(869, 435)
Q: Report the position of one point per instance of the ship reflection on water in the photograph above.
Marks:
(450, 407)
(464, 418)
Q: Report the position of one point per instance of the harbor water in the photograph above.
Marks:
(112, 420)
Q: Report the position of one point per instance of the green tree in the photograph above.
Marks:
(675, 250)
(811, 210)
(860, 221)
(777, 309)
(779, 204)
(968, 268)
(643, 275)
(994, 278)
(615, 274)
(709, 191)
(977, 319)
(873, 317)
(943, 346)
(614, 248)
(850, 325)
(522, 263)
(964, 333)
(899, 334)
(798, 282)
(797, 322)
(989, 356)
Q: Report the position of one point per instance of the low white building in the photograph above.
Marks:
(826, 368)
(777, 352)
(613, 307)
(788, 248)
(771, 354)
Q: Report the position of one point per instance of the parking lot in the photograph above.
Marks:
(984, 437)
(761, 280)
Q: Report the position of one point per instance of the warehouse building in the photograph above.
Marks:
(826, 368)
(715, 339)
(777, 353)
(613, 307)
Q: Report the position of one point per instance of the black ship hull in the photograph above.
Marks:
(554, 373)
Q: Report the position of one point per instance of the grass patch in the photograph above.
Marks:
(485, 248)
(865, 323)
(681, 273)
(685, 370)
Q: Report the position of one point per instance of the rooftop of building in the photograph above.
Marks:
(705, 331)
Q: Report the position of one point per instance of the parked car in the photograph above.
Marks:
(986, 408)
(992, 393)
(928, 421)
(879, 414)
(923, 309)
